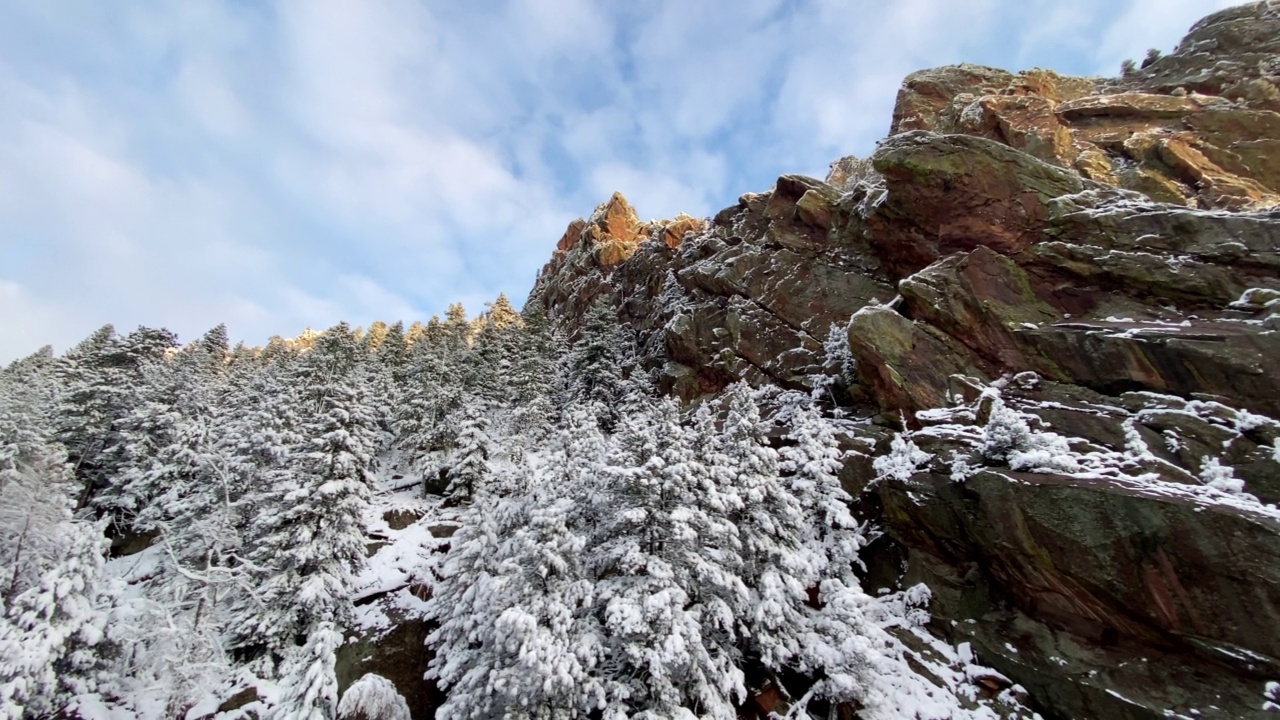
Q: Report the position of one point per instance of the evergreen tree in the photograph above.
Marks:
(310, 682)
(167, 453)
(52, 641)
(86, 406)
(667, 586)
(592, 370)
(394, 352)
(469, 583)
(770, 523)
(469, 468)
(309, 531)
(495, 353)
(812, 463)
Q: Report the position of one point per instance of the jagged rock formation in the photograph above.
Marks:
(1196, 127)
(1118, 238)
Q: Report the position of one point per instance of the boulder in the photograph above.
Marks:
(950, 193)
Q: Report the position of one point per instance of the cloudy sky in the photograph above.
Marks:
(279, 165)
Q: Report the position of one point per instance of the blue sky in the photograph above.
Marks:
(278, 165)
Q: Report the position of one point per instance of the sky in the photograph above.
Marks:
(277, 165)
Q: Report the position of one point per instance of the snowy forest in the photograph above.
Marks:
(182, 522)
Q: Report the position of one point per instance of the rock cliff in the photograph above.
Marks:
(1090, 267)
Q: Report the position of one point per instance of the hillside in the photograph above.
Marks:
(1092, 265)
(986, 425)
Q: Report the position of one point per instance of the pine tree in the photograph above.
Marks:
(308, 532)
(86, 407)
(52, 641)
(495, 353)
(770, 523)
(470, 582)
(666, 576)
(836, 644)
(373, 697)
(469, 468)
(812, 463)
(394, 352)
(592, 371)
(169, 455)
(310, 682)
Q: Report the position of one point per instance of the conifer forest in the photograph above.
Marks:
(182, 520)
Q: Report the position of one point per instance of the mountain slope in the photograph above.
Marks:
(1089, 268)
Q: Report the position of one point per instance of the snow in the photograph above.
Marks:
(373, 696)
(903, 461)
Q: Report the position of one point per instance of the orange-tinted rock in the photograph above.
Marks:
(615, 219)
(1029, 123)
(1127, 105)
(1221, 187)
(673, 232)
(571, 236)
(1221, 84)
(926, 99)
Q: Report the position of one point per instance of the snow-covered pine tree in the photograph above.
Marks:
(469, 469)
(812, 462)
(666, 585)
(169, 455)
(495, 353)
(531, 384)
(770, 523)
(471, 581)
(592, 369)
(261, 436)
(535, 640)
(35, 490)
(85, 406)
(434, 389)
(839, 644)
(310, 682)
(53, 645)
(532, 378)
(373, 697)
(121, 387)
(394, 352)
(309, 530)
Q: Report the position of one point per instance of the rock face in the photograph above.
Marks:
(1197, 127)
(1113, 243)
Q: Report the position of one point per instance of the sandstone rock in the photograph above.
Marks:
(1225, 71)
(980, 299)
(1226, 51)
(1127, 105)
(926, 97)
(955, 193)
(571, 236)
(1216, 359)
(1219, 186)
(1102, 561)
(904, 366)
(674, 231)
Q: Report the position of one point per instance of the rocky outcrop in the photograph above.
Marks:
(1112, 576)
(1114, 243)
(1196, 127)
